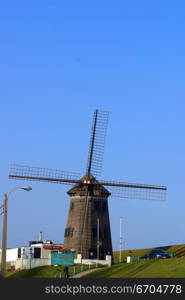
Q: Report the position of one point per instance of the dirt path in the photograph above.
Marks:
(81, 274)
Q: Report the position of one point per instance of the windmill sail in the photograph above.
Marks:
(43, 174)
(117, 189)
(135, 191)
(89, 196)
(97, 142)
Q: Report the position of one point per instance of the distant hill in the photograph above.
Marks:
(175, 250)
(145, 268)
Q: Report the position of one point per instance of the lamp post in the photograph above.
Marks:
(31, 252)
(121, 240)
(4, 231)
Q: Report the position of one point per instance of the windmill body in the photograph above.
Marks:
(88, 227)
(87, 205)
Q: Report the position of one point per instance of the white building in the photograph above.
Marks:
(37, 254)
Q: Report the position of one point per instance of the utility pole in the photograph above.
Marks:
(4, 230)
(4, 236)
(121, 241)
(30, 255)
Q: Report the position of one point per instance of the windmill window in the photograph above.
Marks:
(69, 232)
(66, 232)
(72, 206)
(72, 231)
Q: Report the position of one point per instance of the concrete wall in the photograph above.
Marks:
(105, 262)
(31, 263)
(37, 262)
(45, 253)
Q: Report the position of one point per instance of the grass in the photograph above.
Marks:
(47, 272)
(162, 268)
(159, 268)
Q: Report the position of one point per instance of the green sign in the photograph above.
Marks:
(61, 259)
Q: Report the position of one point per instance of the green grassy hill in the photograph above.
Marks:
(47, 272)
(176, 250)
(173, 267)
(159, 268)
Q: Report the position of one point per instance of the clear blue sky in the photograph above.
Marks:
(59, 60)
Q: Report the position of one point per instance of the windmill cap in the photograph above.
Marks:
(96, 189)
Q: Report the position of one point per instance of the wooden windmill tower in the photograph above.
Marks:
(88, 227)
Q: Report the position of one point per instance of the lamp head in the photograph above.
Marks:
(26, 188)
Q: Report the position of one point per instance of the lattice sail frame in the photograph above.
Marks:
(117, 189)
(139, 193)
(43, 174)
(97, 142)
(94, 167)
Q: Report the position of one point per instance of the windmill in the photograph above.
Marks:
(88, 226)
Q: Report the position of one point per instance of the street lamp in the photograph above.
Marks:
(121, 241)
(31, 252)
(4, 232)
